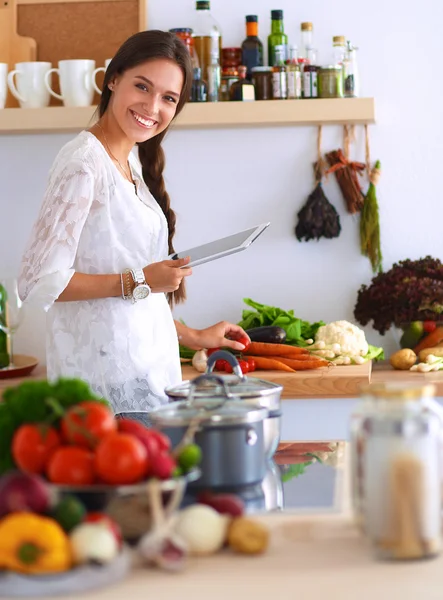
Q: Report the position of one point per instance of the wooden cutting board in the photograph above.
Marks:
(14, 48)
(327, 382)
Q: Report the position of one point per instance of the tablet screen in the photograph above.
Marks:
(221, 247)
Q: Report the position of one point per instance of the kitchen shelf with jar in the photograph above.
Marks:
(272, 113)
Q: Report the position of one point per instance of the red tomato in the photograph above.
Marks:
(245, 341)
(251, 363)
(220, 365)
(71, 466)
(244, 366)
(102, 519)
(121, 459)
(86, 423)
(429, 326)
(32, 446)
(154, 441)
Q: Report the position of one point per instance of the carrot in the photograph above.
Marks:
(303, 365)
(431, 340)
(270, 364)
(264, 349)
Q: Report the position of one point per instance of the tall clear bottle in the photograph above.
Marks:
(277, 40)
(207, 36)
(294, 75)
(4, 341)
(306, 43)
(214, 78)
(351, 73)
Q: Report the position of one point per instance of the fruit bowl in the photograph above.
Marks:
(128, 505)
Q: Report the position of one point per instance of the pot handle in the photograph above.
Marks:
(212, 379)
(224, 355)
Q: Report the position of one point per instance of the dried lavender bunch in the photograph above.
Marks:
(409, 291)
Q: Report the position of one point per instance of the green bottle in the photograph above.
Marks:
(4, 342)
(277, 40)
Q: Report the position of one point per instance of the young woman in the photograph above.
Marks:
(97, 257)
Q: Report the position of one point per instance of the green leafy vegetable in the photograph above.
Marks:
(375, 353)
(37, 402)
(293, 471)
(297, 331)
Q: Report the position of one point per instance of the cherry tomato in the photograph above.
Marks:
(154, 441)
(429, 326)
(70, 465)
(32, 446)
(212, 351)
(245, 341)
(228, 368)
(220, 365)
(244, 366)
(121, 459)
(105, 520)
(86, 423)
(251, 363)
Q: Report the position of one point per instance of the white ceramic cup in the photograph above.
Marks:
(75, 82)
(3, 84)
(99, 70)
(27, 83)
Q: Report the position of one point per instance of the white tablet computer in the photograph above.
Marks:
(222, 247)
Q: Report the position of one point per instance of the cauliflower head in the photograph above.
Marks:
(352, 339)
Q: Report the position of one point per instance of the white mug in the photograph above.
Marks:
(99, 70)
(30, 90)
(3, 84)
(75, 82)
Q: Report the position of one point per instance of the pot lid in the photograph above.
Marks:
(208, 412)
(240, 388)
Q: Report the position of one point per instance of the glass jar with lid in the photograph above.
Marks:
(262, 80)
(396, 459)
(330, 82)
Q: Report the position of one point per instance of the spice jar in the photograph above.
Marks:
(330, 82)
(262, 80)
(185, 34)
(310, 76)
(279, 82)
(396, 458)
(231, 57)
(229, 76)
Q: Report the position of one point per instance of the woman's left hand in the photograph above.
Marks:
(223, 335)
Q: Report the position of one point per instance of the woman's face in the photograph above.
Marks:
(144, 99)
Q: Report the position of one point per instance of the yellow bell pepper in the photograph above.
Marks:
(34, 544)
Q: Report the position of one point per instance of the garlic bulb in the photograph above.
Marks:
(200, 361)
(93, 542)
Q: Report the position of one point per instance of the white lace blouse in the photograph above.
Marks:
(92, 221)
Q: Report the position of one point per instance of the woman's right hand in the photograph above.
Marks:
(166, 276)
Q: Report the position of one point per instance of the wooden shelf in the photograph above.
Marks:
(204, 116)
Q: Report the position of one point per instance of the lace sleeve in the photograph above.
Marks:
(47, 264)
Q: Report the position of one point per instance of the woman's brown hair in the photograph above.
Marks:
(139, 48)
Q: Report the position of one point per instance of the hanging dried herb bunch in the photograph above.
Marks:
(346, 174)
(318, 218)
(370, 223)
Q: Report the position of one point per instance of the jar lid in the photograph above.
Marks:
(232, 50)
(207, 412)
(400, 391)
(251, 19)
(277, 15)
(307, 26)
(261, 70)
(203, 5)
(187, 30)
(339, 39)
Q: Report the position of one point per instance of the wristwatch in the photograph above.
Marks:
(142, 289)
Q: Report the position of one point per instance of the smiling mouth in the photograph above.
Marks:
(143, 122)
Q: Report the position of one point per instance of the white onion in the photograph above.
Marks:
(93, 542)
(202, 528)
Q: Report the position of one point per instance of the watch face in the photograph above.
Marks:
(141, 292)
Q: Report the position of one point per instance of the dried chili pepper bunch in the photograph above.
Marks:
(412, 290)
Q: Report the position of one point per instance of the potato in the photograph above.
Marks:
(436, 351)
(403, 359)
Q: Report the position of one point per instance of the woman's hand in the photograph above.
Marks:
(166, 276)
(222, 335)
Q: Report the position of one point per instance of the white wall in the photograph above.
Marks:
(224, 180)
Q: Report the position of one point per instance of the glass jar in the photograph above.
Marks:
(229, 76)
(310, 81)
(185, 34)
(231, 57)
(262, 80)
(396, 458)
(279, 82)
(330, 82)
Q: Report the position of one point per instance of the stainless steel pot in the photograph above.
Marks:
(229, 432)
(248, 389)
